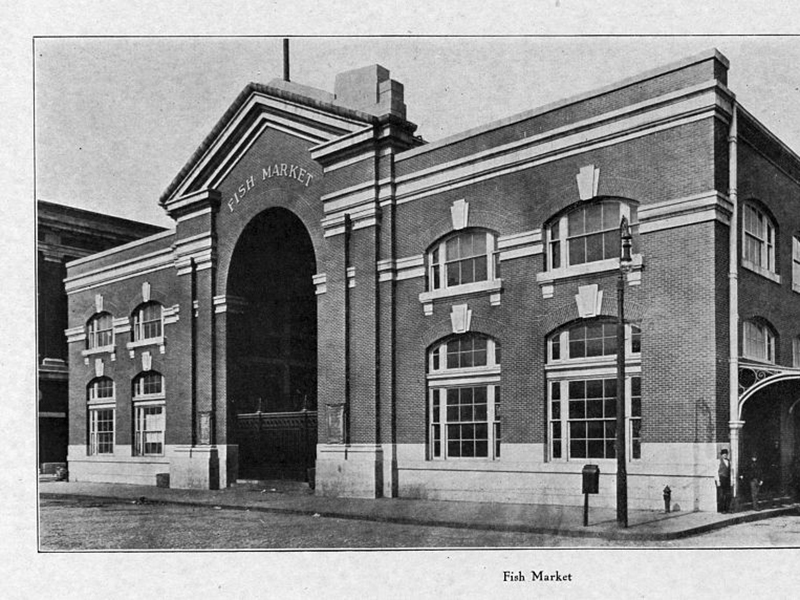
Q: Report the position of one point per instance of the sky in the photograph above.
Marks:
(117, 118)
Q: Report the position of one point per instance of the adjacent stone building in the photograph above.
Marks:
(342, 302)
(64, 234)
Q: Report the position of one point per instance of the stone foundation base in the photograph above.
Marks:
(354, 471)
(189, 467)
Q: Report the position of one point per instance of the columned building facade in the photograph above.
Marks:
(344, 303)
(64, 233)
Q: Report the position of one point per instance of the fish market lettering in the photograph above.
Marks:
(287, 170)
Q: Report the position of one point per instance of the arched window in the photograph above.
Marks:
(582, 391)
(148, 322)
(150, 384)
(588, 233)
(149, 419)
(759, 341)
(464, 398)
(100, 388)
(463, 258)
(99, 331)
(100, 399)
(592, 339)
(796, 352)
(758, 244)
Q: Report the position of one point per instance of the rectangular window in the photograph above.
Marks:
(436, 424)
(149, 431)
(759, 343)
(759, 239)
(101, 332)
(101, 431)
(583, 423)
(555, 420)
(635, 418)
(796, 264)
(147, 322)
(555, 246)
(465, 259)
(593, 233)
(592, 418)
(465, 422)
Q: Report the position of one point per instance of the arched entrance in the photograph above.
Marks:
(272, 347)
(771, 432)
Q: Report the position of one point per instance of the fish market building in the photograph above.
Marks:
(343, 302)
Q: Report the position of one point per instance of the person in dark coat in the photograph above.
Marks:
(753, 474)
(723, 480)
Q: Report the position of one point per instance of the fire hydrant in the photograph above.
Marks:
(667, 498)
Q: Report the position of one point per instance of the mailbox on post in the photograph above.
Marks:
(591, 479)
(591, 485)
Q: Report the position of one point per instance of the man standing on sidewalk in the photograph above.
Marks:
(723, 480)
(753, 474)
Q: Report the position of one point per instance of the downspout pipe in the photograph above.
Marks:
(734, 423)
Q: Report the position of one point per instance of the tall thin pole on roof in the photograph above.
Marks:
(286, 59)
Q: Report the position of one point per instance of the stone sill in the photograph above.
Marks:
(767, 274)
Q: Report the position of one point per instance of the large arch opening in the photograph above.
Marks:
(771, 432)
(272, 347)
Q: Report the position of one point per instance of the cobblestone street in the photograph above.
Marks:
(93, 524)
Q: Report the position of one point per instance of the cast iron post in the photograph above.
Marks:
(622, 473)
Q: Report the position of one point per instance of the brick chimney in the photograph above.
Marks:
(369, 89)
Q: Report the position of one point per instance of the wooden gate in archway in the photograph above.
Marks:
(279, 445)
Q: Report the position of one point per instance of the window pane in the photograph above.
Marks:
(453, 274)
(577, 449)
(636, 386)
(465, 245)
(594, 388)
(557, 449)
(451, 249)
(612, 245)
(467, 271)
(481, 449)
(594, 247)
(577, 389)
(555, 254)
(577, 251)
(575, 223)
(594, 347)
(594, 409)
(481, 274)
(636, 340)
(435, 276)
(611, 218)
(593, 218)
(596, 449)
(577, 430)
(478, 244)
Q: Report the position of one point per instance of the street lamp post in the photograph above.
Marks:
(622, 473)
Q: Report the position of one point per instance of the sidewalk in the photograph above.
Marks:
(295, 498)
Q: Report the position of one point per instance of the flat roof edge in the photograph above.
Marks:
(121, 248)
(711, 53)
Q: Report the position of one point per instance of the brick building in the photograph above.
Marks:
(64, 234)
(339, 294)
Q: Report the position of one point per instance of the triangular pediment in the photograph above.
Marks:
(256, 109)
